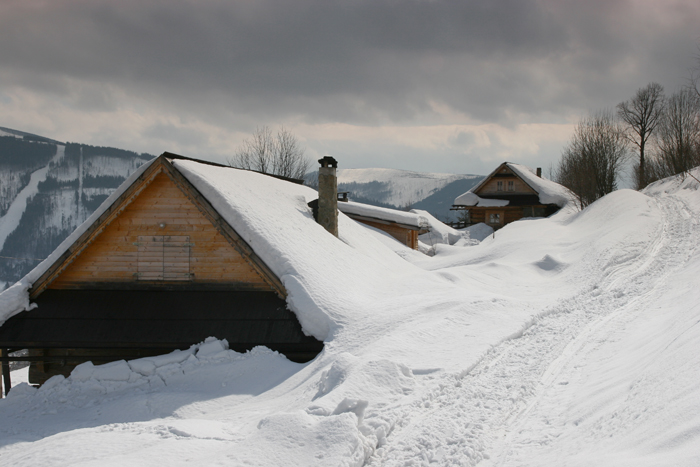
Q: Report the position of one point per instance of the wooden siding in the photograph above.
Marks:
(406, 236)
(113, 255)
(491, 186)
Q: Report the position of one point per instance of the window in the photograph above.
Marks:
(511, 185)
(499, 186)
(163, 258)
(495, 218)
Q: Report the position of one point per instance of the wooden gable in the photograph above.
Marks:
(161, 234)
(503, 181)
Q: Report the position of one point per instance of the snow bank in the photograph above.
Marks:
(478, 231)
(684, 184)
(376, 212)
(439, 231)
(16, 299)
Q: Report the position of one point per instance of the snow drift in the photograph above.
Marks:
(571, 340)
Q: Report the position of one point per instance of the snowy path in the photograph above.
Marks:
(10, 221)
(463, 419)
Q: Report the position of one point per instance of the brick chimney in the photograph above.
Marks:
(328, 195)
(539, 172)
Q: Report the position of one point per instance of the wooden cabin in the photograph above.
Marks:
(159, 269)
(403, 226)
(504, 196)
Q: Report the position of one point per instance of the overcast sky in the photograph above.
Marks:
(426, 85)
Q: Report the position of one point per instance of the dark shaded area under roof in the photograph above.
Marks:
(158, 319)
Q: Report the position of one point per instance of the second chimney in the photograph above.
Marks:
(328, 195)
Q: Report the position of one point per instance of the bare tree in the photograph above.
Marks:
(678, 137)
(642, 115)
(592, 161)
(278, 154)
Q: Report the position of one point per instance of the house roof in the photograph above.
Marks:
(548, 192)
(368, 212)
(272, 218)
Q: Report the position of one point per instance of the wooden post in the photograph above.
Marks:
(5, 371)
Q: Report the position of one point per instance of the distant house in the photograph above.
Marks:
(155, 268)
(509, 193)
(403, 226)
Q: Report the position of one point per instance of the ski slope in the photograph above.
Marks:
(573, 340)
(11, 219)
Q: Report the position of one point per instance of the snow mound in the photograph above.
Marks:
(439, 231)
(478, 231)
(681, 183)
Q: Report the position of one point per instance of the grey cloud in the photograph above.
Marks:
(365, 61)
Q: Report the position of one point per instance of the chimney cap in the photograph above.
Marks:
(328, 161)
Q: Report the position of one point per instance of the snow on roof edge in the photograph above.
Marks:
(386, 214)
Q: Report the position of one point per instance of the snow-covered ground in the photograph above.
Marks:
(573, 340)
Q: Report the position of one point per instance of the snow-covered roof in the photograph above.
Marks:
(549, 192)
(385, 214)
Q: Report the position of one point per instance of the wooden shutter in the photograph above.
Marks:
(164, 258)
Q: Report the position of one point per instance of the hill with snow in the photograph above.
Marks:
(404, 189)
(571, 340)
(47, 189)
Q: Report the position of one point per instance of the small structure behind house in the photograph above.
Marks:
(403, 226)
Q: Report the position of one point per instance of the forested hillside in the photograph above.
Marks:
(47, 189)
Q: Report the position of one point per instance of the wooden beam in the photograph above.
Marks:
(5, 372)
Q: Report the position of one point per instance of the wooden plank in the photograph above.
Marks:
(6, 372)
